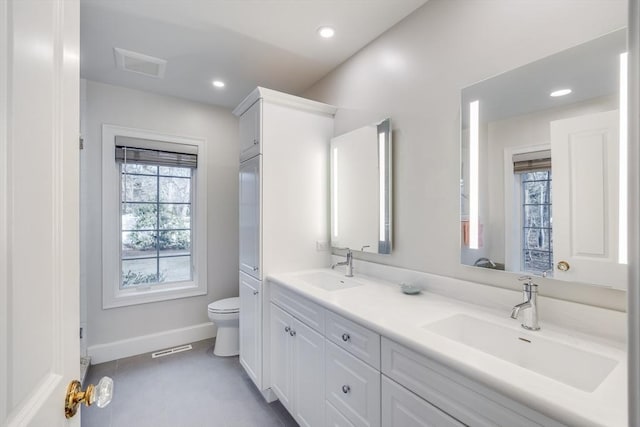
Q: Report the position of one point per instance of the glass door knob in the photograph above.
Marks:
(101, 395)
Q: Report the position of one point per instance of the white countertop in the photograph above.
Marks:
(382, 307)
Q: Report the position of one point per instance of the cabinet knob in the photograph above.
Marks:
(255, 268)
(346, 389)
(255, 142)
(292, 333)
(345, 337)
(256, 292)
(287, 329)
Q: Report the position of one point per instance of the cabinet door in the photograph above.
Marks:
(249, 189)
(251, 327)
(308, 381)
(334, 418)
(281, 352)
(401, 408)
(250, 134)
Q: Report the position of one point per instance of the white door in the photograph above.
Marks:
(308, 365)
(251, 328)
(585, 199)
(39, 303)
(249, 194)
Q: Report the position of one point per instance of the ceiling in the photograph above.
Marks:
(245, 43)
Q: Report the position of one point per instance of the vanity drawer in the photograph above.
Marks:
(334, 418)
(299, 307)
(401, 408)
(356, 339)
(352, 387)
(466, 400)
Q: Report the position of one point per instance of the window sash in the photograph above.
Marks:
(156, 231)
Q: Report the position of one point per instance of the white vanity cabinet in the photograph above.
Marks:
(297, 355)
(283, 187)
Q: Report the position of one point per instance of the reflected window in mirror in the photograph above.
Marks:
(543, 176)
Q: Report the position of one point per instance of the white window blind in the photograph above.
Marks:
(149, 152)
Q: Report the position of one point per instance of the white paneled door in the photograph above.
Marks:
(585, 197)
(39, 102)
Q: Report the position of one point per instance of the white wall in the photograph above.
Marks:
(131, 108)
(413, 73)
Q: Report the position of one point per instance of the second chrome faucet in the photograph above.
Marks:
(529, 306)
(348, 263)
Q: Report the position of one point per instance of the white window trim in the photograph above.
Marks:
(112, 295)
(512, 202)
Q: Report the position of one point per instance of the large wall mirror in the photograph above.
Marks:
(361, 189)
(544, 170)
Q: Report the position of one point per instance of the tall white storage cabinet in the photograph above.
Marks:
(284, 166)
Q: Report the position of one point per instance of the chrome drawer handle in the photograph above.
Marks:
(292, 333)
(287, 329)
(345, 337)
(256, 292)
(255, 268)
(346, 389)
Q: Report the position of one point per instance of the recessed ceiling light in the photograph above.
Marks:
(326, 32)
(560, 92)
(218, 83)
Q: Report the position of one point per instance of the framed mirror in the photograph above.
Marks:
(361, 189)
(543, 167)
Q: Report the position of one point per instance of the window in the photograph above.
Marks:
(154, 212)
(537, 243)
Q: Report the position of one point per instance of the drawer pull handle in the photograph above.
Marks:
(256, 292)
(287, 329)
(346, 389)
(345, 337)
(292, 333)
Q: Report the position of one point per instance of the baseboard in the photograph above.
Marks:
(147, 343)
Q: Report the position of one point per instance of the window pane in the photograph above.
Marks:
(537, 261)
(139, 216)
(174, 171)
(136, 188)
(135, 272)
(536, 192)
(138, 244)
(175, 216)
(174, 242)
(174, 190)
(537, 238)
(175, 269)
(140, 169)
(537, 216)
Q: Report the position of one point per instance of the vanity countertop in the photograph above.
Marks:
(382, 307)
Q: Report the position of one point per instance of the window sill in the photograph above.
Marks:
(123, 298)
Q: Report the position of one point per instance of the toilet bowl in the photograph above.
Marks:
(224, 314)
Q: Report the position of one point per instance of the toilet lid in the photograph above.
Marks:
(227, 305)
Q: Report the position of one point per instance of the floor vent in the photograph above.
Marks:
(140, 63)
(170, 351)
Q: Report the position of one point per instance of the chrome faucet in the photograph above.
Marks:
(530, 305)
(348, 263)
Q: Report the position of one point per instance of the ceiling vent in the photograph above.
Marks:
(140, 63)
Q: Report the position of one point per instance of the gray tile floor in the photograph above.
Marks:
(189, 389)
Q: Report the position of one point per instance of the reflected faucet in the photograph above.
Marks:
(530, 305)
(348, 263)
(484, 262)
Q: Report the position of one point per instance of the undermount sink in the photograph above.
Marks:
(570, 365)
(329, 281)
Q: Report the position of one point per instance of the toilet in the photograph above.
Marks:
(224, 314)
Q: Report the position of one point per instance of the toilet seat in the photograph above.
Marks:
(225, 306)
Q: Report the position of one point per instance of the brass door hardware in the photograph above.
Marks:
(100, 394)
(563, 266)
